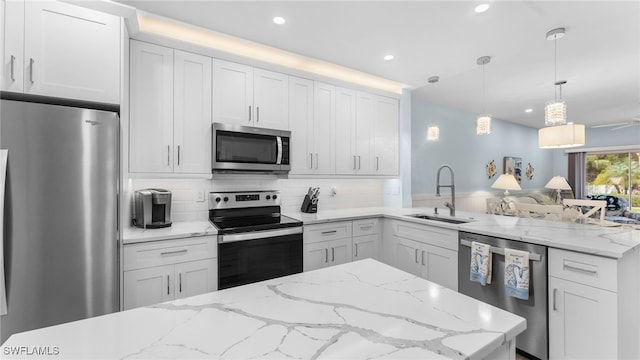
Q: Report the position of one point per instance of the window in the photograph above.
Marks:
(615, 174)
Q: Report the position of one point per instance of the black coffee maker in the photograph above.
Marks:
(152, 208)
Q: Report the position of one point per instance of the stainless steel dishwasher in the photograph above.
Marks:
(534, 340)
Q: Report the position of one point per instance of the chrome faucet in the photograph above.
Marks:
(452, 205)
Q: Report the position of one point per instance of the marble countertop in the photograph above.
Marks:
(614, 242)
(358, 310)
(177, 230)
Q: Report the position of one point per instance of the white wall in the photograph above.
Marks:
(187, 193)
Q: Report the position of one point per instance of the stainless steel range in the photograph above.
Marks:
(255, 241)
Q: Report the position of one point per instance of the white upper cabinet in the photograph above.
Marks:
(170, 125)
(271, 99)
(248, 96)
(385, 136)
(61, 50)
(346, 158)
(151, 119)
(324, 122)
(192, 113)
(301, 124)
(232, 93)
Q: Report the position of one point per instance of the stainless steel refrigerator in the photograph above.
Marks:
(60, 223)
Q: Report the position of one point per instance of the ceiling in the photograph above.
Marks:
(599, 57)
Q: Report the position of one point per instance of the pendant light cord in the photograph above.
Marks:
(484, 100)
(555, 70)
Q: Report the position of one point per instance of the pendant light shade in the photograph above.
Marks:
(433, 133)
(561, 136)
(555, 113)
(483, 122)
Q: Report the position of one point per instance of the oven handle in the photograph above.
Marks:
(254, 235)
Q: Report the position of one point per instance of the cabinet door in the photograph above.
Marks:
(365, 247)
(340, 251)
(385, 136)
(324, 120)
(71, 52)
(301, 124)
(196, 277)
(192, 113)
(316, 256)
(440, 266)
(148, 286)
(365, 115)
(582, 321)
(151, 123)
(271, 99)
(13, 35)
(232, 93)
(407, 253)
(346, 153)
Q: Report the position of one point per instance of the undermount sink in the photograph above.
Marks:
(442, 219)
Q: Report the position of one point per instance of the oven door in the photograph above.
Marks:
(242, 148)
(246, 258)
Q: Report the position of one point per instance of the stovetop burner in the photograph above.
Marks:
(248, 211)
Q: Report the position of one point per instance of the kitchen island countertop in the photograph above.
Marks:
(358, 310)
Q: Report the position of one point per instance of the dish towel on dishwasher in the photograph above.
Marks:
(480, 263)
(516, 273)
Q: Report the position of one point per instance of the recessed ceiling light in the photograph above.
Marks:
(388, 57)
(481, 8)
(528, 110)
(279, 20)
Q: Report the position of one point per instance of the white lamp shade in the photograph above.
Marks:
(555, 113)
(483, 125)
(561, 136)
(558, 183)
(506, 182)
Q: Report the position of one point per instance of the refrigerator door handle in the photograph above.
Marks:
(4, 155)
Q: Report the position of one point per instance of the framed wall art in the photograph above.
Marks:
(513, 165)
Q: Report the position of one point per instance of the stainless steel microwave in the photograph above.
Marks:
(237, 148)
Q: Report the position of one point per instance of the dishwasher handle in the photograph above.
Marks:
(500, 251)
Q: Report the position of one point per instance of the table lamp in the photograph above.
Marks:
(505, 182)
(558, 183)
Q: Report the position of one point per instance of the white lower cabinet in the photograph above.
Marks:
(326, 245)
(426, 251)
(591, 300)
(165, 270)
(366, 239)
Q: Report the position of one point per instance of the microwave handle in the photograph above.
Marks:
(279, 155)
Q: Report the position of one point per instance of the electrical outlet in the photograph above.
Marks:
(199, 196)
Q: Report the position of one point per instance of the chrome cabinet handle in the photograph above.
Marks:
(173, 252)
(249, 113)
(358, 162)
(578, 269)
(168, 155)
(354, 162)
(555, 291)
(333, 255)
(180, 283)
(356, 245)
(316, 160)
(178, 155)
(416, 256)
(377, 163)
(13, 60)
(168, 293)
(366, 227)
(31, 61)
(257, 113)
(422, 258)
(311, 156)
(328, 232)
(326, 255)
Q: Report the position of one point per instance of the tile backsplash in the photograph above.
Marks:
(190, 196)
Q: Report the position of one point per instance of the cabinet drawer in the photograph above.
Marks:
(585, 269)
(157, 253)
(325, 232)
(365, 227)
(426, 234)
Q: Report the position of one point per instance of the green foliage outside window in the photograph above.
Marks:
(615, 174)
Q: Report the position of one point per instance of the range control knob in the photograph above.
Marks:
(218, 199)
(225, 199)
(275, 197)
(268, 197)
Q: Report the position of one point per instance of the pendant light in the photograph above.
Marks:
(555, 113)
(483, 121)
(557, 133)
